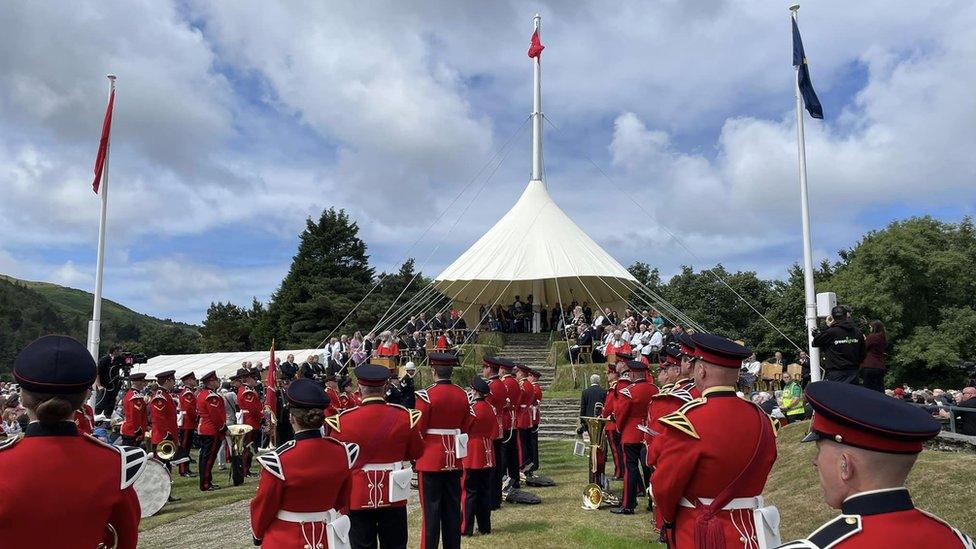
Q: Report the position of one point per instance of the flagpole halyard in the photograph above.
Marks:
(94, 326)
(808, 286)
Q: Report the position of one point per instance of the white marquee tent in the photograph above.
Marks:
(224, 364)
(535, 249)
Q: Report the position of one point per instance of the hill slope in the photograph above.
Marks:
(29, 310)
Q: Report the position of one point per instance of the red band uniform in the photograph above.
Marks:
(446, 418)
(536, 420)
(498, 398)
(523, 418)
(253, 411)
(303, 493)
(162, 406)
(136, 421)
(514, 393)
(630, 410)
(212, 416)
(849, 415)
(717, 444)
(479, 463)
(387, 435)
(78, 493)
(85, 419)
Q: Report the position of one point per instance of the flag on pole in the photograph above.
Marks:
(103, 142)
(803, 76)
(270, 388)
(535, 45)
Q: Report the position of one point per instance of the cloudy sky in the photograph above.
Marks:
(237, 120)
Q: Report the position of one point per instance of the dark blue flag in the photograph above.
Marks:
(803, 75)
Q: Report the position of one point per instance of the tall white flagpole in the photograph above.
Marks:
(537, 108)
(94, 326)
(808, 289)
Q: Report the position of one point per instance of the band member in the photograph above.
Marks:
(253, 412)
(305, 482)
(85, 416)
(669, 399)
(348, 398)
(53, 468)
(618, 380)
(446, 417)
(630, 410)
(867, 444)
(702, 499)
(534, 377)
(514, 395)
(523, 416)
(187, 420)
(498, 398)
(387, 435)
(479, 463)
(212, 415)
(162, 406)
(136, 421)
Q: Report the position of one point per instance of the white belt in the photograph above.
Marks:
(737, 503)
(318, 516)
(395, 466)
(446, 432)
(523, 405)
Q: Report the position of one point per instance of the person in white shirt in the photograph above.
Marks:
(749, 373)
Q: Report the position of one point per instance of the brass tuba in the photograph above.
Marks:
(594, 495)
(236, 434)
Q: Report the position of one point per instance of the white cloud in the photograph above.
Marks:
(262, 114)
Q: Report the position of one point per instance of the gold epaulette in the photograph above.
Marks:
(414, 413)
(333, 423)
(679, 420)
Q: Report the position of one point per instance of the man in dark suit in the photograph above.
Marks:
(583, 339)
(109, 381)
(591, 396)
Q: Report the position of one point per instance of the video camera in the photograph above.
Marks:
(127, 360)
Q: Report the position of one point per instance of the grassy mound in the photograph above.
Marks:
(942, 483)
(576, 376)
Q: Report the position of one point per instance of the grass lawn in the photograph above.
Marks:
(943, 483)
(559, 521)
(192, 500)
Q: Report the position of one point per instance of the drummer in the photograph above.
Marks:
(303, 494)
(74, 482)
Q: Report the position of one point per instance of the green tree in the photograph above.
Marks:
(328, 277)
(226, 328)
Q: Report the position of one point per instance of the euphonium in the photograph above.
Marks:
(236, 434)
(166, 450)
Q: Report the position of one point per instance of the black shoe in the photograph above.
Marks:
(171, 498)
(619, 511)
(188, 474)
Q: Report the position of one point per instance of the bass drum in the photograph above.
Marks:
(153, 487)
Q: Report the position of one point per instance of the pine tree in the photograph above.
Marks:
(328, 276)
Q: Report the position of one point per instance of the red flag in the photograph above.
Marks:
(270, 388)
(535, 46)
(103, 142)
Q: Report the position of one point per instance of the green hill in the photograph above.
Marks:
(29, 310)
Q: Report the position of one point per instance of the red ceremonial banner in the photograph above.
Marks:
(103, 142)
(535, 46)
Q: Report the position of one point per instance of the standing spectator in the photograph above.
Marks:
(592, 395)
(966, 421)
(873, 366)
(804, 361)
(109, 381)
(842, 346)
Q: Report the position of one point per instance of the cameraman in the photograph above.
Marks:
(842, 345)
(109, 381)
